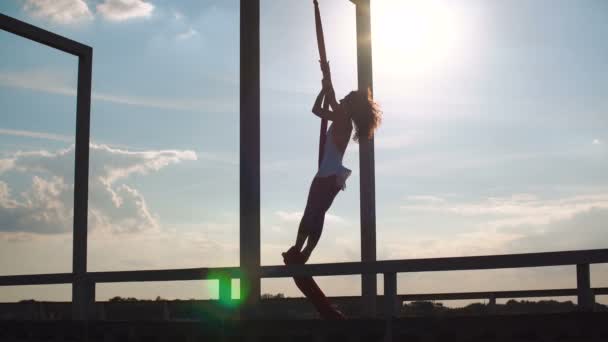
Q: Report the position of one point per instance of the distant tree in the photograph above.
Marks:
(125, 299)
(427, 308)
(543, 306)
(271, 296)
(423, 308)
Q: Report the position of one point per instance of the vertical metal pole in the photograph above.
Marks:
(390, 295)
(390, 304)
(583, 284)
(101, 313)
(225, 289)
(250, 154)
(166, 312)
(83, 293)
(367, 198)
(492, 304)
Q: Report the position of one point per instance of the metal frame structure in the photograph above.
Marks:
(81, 289)
(250, 151)
(389, 268)
(250, 271)
(249, 244)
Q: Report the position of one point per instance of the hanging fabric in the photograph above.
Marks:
(323, 59)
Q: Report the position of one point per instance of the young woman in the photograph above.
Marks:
(356, 108)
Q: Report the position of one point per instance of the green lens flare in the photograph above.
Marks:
(229, 296)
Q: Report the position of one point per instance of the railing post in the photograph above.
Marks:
(84, 290)
(390, 304)
(166, 312)
(31, 311)
(492, 304)
(42, 311)
(225, 285)
(101, 312)
(583, 285)
(390, 295)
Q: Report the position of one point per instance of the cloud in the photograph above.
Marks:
(481, 242)
(48, 81)
(516, 210)
(521, 223)
(37, 135)
(586, 230)
(177, 15)
(59, 11)
(150, 250)
(53, 82)
(511, 224)
(425, 199)
(73, 11)
(394, 142)
(123, 163)
(186, 35)
(6, 164)
(120, 10)
(596, 142)
(44, 207)
(295, 216)
(114, 205)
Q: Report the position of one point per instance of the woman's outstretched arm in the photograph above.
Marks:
(330, 95)
(318, 109)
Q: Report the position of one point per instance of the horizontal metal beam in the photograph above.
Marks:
(36, 279)
(499, 294)
(592, 256)
(598, 291)
(545, 259)
(166, 275)
(45, 37)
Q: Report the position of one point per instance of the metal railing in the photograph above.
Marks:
(83, 282)
(389, 268)
(167, 310)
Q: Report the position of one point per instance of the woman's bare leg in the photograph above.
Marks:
(305, 222)
(303, 234)
(313, 237)
(321, 195)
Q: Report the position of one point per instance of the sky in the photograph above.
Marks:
(494, 138)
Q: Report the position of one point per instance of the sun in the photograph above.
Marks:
(414, 36)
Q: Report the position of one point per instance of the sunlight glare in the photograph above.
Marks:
(414, 36)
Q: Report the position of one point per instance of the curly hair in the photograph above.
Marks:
(365, 113)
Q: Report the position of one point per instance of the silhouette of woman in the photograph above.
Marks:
(356, 108)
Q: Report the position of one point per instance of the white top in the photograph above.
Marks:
(331, 164)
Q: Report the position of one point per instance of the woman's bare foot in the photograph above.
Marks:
(293, 256)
